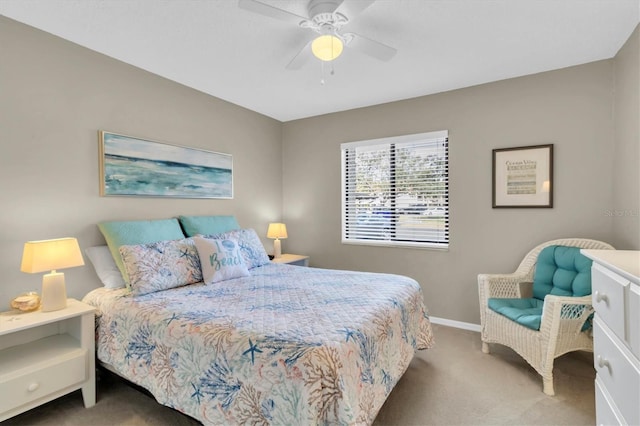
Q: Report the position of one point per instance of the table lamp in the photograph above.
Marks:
(51, 255)
(277, 231)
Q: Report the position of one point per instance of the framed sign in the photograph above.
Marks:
(140, 167)
(523, 176)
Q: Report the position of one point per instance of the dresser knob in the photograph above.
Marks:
(33, 386)
(603, 362)
(602, 297)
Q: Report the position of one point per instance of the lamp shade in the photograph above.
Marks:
(277, 230)
(49, 255)
(327, 47)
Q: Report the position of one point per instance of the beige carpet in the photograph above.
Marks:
(451, 384)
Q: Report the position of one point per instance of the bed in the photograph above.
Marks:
(281, 345)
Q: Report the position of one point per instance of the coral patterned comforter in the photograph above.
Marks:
(287, 345)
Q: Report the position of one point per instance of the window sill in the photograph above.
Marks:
(398, 244)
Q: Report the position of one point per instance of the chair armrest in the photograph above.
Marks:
(567, 310)
(502, 285)
(499, 285)
(568, 300)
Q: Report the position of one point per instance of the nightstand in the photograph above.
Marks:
(293, 259)
(44, 355)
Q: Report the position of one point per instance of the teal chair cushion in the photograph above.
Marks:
(561, 271)
(527, 312)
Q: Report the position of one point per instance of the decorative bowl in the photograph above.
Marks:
(26, 302)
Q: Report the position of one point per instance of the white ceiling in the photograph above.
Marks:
(239, 56)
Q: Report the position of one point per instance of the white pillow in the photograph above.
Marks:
(105, 266)
(220, 259)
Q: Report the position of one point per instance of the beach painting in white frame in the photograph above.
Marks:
(131, 166)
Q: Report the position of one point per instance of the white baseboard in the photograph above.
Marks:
(455, 324)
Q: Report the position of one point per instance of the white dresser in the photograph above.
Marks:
(616, 335)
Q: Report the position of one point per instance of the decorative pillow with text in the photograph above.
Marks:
(250, 245)
(220, 259)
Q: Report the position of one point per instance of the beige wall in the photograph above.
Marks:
(570, 108)
(55, 96)
(625, 210)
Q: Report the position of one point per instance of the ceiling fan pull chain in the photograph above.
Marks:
(331, 72)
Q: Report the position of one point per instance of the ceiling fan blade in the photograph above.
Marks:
(370, 47)
(301, 58)
(270, 11)
(352, 8)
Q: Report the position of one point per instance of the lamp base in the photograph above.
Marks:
(54, 292)
(277, 250)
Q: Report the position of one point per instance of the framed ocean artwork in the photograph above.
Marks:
(132, 166)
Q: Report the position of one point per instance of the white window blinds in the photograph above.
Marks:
(395, 191)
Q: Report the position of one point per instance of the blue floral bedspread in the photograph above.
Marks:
(287, 345)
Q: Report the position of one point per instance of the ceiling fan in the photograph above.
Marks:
(326, 18)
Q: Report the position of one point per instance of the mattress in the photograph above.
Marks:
(286, 345)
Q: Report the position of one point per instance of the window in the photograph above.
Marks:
(395, 191)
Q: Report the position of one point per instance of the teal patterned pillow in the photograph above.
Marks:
(251, 247)
(120, 233)
(220, 259)
(161, 265)
(198, 225)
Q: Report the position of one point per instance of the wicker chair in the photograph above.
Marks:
(561, 326)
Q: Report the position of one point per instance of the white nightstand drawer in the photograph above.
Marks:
(45, 355)
(608, 298)
(618, 371)
(51, 364)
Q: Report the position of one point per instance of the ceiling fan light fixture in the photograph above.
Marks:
(327, 47)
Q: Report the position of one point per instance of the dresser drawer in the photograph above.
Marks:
(633, 320)
(618, 372)
(608, 298)
(24, 387)
(606, 413)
